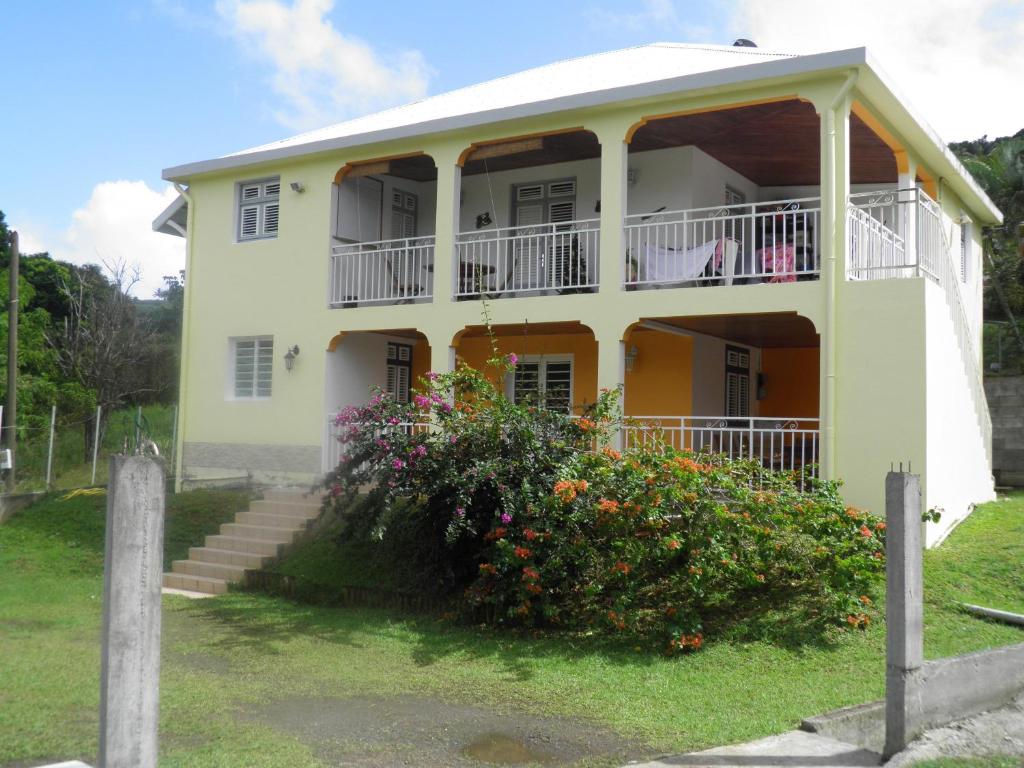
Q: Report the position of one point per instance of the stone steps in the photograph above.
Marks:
(258, 536)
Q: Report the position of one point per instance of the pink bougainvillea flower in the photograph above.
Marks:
(422, 401)
(460, 511)
(512, 358)
(397, 464)
(506, 518)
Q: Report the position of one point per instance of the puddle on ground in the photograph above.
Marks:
(499, 749)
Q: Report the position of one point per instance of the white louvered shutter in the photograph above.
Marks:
(270, 219)
(249, 225)
(259, 209)
(254, 367)
(557, 383)
(560, 214)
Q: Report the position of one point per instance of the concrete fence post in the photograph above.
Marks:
(130, 664)
(904, 610)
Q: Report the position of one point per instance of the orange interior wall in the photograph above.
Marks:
(476, 351)
(791, 382)
(661, 382)
(420, 361)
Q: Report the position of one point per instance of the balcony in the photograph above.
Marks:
(556, 258)
(770, 242)
(385, 272)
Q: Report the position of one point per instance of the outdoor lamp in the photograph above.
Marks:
(297, 186)
(483, 220)
(289, 357)
(631, 355)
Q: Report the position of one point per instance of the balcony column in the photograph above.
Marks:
(611, 367)
(614, 165)
(449, 188)
(907, 203)
(834, 110)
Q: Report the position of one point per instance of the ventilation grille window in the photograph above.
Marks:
(254, 367)
(259, 209)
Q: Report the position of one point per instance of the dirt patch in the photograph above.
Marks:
(368, 732)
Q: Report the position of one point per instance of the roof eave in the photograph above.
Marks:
(789, 67)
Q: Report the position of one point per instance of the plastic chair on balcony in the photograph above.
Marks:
(404, 286)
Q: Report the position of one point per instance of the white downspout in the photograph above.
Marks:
(831, 279)
(186, 332)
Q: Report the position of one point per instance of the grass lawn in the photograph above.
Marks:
(228, 661)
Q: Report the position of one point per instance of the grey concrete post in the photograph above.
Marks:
(130, 666)
(904, 609)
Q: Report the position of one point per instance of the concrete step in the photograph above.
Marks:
(240, 544)
(292, 522)
(291, 495)
(228, 557)
(195, 583)
(266, 533)
(303, 510)
(229, 573)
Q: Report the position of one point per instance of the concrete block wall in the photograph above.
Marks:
(1006, 404)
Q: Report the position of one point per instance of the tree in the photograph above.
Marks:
(102, 343)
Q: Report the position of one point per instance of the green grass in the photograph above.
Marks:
(71, 467)
(238, 652)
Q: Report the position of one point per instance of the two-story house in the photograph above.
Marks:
(773, 255)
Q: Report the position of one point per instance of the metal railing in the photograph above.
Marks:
(333, 433)
(779, 444)
(383, 272)
(507, 261)
(773, 242)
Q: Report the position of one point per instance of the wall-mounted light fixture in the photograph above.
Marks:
(290, 355)
(483, 220)
(298, 186)
(631, 355)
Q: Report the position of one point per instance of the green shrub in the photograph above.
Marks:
(514, 512)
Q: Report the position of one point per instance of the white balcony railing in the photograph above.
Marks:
(509, 261)
(383, 272)
(781, 444)
(880, 226)
(775, 242)
(334, 449)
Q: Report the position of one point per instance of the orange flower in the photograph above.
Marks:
(760, 577)
(565, 490)
(586, 425)
(529, 534)
(529, 574)
(673, 544)
(865, 600)
(497, 533)
(582, 485)
(534, 589)
(488, 569)
(611, 453)
(522, 552)
(879, 526)
(865, 532)
(621, 567)
(608, 506)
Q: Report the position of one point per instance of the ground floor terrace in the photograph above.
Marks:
(744, 386)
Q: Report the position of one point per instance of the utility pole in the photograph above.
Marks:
(11, 411)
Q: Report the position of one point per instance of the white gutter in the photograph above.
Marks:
(186, 335)
(838, 208)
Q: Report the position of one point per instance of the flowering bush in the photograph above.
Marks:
(522, 516)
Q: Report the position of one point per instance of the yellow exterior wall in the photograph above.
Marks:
(476, 351)
(791, 382)
(661, 382)
(420, 361)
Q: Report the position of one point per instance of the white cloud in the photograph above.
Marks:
(659, 15)
(958, 62)
(115, 226)
(321, 75)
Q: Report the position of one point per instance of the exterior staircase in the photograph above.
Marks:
(257, 537)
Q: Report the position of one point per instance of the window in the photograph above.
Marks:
(965, 249)
(399, 371)
(737, 382)
(545, 382)
(253, 367)
(258, 209)
(403, 214)
(733, 196)
(534, 205)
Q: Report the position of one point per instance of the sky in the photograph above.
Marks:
(100, 96)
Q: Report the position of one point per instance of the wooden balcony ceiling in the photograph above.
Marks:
(771, 144)
(769, 330)
(521, 330)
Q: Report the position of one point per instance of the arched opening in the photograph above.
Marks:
(746, 385)
(362, 362)
(528, 221)
(732, 196)
(383, 232)
(555, 363)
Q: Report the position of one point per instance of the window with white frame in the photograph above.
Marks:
(737, 382)
(399, 364)
(252, 367)
(965, 249)
(544, 382)
(733, 196)
(258, 209)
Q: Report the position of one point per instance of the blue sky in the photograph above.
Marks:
(106, 94)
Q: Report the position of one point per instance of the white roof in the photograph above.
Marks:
(644, 71)
(570, 77)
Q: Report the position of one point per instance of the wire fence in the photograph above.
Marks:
(65, 453)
